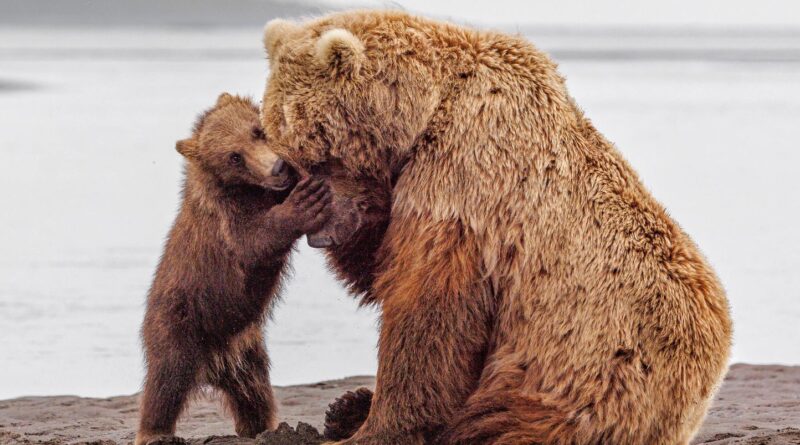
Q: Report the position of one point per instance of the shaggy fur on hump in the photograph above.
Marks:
(532, 290)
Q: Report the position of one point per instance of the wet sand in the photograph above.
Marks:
(756, 405)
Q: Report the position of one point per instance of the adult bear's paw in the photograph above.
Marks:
(347, 413)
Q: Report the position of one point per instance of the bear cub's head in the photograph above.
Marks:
(228, 144)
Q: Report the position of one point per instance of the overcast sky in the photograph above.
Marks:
(783, 13)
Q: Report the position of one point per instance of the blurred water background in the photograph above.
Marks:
(93, 96)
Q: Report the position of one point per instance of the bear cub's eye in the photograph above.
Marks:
(235, 159)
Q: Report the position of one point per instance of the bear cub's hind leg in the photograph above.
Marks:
(245, 385)
(169, 381)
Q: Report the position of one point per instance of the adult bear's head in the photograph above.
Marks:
(348, 97)
(456, 124)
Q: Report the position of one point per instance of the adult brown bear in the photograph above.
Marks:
(532, 291)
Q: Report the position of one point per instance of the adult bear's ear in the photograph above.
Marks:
(276, 31)
(186, 147)
(340, 50)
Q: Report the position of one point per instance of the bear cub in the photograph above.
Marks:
(221, 270)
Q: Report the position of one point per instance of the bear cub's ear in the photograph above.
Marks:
(340, 50)
(186, 147)
(225, 98)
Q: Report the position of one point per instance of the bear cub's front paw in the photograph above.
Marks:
(308, 207)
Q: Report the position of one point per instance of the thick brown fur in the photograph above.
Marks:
(364, 210)
(532, 290)
(221, 272)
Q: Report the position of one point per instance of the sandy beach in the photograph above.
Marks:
(756, 405)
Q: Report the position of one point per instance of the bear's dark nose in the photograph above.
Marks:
(279, 168)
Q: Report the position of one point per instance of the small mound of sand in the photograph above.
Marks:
(304, 434)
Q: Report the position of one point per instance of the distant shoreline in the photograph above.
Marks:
(757, 404)
(624, 54)
(603, 42)
(211, 14)
(242, 42)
